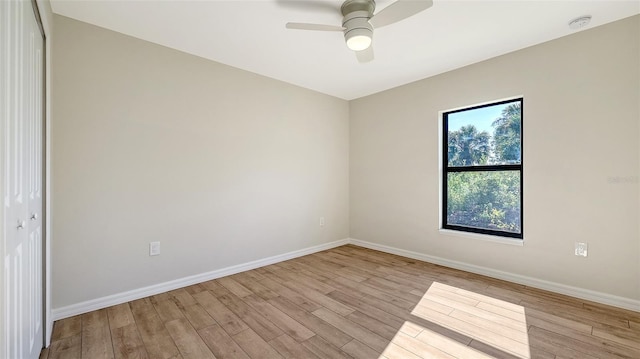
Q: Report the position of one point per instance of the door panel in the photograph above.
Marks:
(21, 66)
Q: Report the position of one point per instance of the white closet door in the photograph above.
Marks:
(22, 119)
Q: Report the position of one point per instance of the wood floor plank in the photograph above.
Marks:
(197, 316)
(289, 348)
(255, 346)
(482, 298)
(409, 316)
(414, 282)
(394, 351)
(370, 268)
(351, 274)
(255, 287)
(471, 300)
(68, 347)
(349, 286)
(154, 335)
(120, 316)
(96, 336)
(612, 348)
(412, 329)
(552, 318)
(419, 347)
(195, 289)
(399, 290)
(554, 343)
(255, 274)
(537, 353)
(608, 310)
(443, 306)
(448, 345)
(536, 294)
(182, 297)
(221, 344)
(141, 305)
(222, 315)
(351, 302)
(321, 328)
(160, 297)
(623, 336)
(127, 343)
(287, 324)
(374, 325)
(519, 334)
(261, 325)
(314, 272)
(215, 288)
(291, 295)
(356, 331)
(359, 351)
(575, 314)
(305, 280)
(503, 294)
(320, 265)
(361, 305)
(515, 315)
(452, 297)
(68, 327)
(234, 287)
(324, 349)
(493, 352)
(417, 273)
(187, 340)
(320, 298)
(498, 340)
(168, 310)
(302, 292)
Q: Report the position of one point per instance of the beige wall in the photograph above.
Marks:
(220, 165)
(581, 160)
(223, 166)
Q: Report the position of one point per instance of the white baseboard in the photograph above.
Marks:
(104, 302)
(119, 298)
(599, 297)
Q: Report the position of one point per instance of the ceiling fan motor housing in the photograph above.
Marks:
(358, 32)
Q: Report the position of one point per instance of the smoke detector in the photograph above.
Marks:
(580, 22)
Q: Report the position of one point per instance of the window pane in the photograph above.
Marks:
(485, 136)
(486, 200)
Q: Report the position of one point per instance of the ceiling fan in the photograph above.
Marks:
(359, 21)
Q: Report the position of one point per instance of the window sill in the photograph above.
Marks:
(483, 237)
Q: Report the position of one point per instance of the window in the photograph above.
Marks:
(482, 169)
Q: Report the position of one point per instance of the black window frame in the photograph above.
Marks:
(446, 169)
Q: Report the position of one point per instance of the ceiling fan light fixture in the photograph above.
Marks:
(359, 39)
(358, 21)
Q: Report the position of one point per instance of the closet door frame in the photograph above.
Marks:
(44, 165)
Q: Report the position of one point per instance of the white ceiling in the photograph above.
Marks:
(251, 35)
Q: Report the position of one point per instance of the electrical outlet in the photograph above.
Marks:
(154, 248)
(321, 221)
(581, 249)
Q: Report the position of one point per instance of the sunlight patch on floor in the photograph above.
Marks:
(476, 320)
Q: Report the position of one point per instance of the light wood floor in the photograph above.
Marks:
(351, 302)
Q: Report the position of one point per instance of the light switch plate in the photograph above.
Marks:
(581, 249)
(154, 248)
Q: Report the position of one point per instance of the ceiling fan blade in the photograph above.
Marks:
(365, 55)
(314, 27)
(324, 6)
(399, 10)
